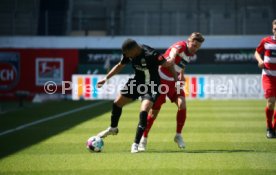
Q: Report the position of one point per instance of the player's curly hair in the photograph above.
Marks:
(196, 36)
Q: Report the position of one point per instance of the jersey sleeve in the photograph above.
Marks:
(157, 57)
(180, 47)
(124, 59)
(176, 49)
(260, 48)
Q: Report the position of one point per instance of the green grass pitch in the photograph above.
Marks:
(222, 137)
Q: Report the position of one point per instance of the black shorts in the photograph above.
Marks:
(133, 89)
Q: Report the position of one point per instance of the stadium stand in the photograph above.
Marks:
(131, 17)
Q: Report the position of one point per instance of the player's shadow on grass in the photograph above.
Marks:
(18, 140)
(219, 151)
(201, 151)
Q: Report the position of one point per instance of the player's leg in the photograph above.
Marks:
(165, 89)
(269, 91)
(274, 122)
(156, 107)
(274, 115)
(180, 120)
(181, 114)
(269, 114)
(117, 106)
(150, 119)
(145, 107)
(152, 115)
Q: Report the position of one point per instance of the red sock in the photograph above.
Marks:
(269, 114)
(150, 121)
(274, 123)
(180, 118)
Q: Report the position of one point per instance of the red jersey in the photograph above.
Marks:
(181, 60)
(267, 47)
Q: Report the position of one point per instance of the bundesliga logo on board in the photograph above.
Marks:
(49, 69)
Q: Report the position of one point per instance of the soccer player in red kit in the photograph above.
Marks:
(180, 53)
(267, 48)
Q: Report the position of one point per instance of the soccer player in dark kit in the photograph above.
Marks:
(145, 84)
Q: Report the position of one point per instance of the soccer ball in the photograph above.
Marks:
(95, 144)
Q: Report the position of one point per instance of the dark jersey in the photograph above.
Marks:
(145, 65)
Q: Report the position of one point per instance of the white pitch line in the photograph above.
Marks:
(49, 118)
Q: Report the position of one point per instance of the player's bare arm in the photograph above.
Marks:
(259, 59)
(170, 65)
(174, 52)
(182, 78)
(116, 69)
(174, 73)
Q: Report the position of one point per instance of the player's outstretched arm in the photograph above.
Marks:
(116, 69)
(259, 59)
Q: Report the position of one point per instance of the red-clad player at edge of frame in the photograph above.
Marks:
(266, 56)
(181, 52)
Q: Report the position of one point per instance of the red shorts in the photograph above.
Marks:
(269, 86)
(171, 93)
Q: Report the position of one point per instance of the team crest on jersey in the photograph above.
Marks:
(143, 62)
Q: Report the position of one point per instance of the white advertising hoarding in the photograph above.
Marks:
(234, 86)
